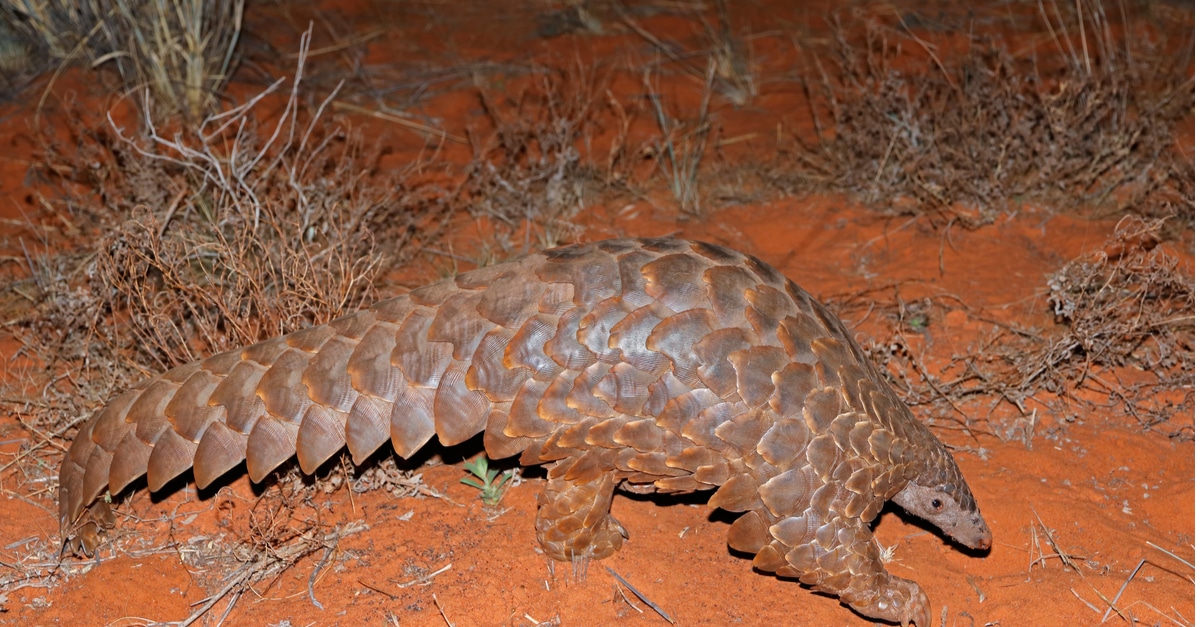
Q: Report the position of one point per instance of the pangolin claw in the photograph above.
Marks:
(901, 601)
(916, 610)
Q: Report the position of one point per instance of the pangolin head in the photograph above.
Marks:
(941, 496)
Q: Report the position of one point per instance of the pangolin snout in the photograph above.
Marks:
(983, 540)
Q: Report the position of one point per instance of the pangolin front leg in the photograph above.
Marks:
(664, 365)
(573, 520)
(833, 554)
(843, 559)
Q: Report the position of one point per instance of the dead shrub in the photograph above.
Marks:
(1129, 304)
(282, 527)
(1125, 331)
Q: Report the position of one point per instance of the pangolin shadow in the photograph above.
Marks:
(433, 450)
(449, 455)
(455, 455)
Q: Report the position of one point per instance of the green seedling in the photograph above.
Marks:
(490, 482)
(918, 322)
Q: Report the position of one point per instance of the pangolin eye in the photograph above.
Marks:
(936, 504)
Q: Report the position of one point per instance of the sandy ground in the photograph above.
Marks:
(1092, 486)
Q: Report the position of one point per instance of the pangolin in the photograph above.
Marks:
(657, 364)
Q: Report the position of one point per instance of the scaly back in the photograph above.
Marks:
(639, 336)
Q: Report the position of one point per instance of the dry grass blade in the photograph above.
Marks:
(682, 145)
(1066, 558)
(1132, 574)
(424, 579)
(658, 610)
(423, 129)
(728, 68)
(1069, 561)
(1112, 606)
(1180, 559)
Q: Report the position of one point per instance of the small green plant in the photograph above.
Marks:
(490, 482)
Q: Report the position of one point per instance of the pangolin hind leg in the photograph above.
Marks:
(573, 521)
(85, 533)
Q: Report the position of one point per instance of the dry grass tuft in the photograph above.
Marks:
(225, 234)
(533, 171)
(275, 531)
(183, 51)
(965, 137)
